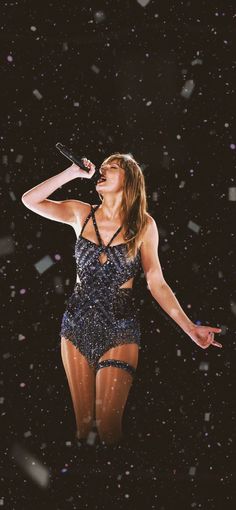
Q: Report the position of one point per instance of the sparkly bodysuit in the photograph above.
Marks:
(99, 314)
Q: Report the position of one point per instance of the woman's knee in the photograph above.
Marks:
(109, 426)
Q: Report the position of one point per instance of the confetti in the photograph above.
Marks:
(43, 264)
(204, 366)
(193, 226)
(232, 194)
(143, 3)
(187, 89)
(30, 465)
(95, 69)
(6, 246)
(37, 94)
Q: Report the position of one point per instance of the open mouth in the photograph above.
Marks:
(101, 179)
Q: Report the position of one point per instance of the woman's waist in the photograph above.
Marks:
(110, 287)
(114, 295)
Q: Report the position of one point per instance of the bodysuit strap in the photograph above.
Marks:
(86, 220)
(97, 231)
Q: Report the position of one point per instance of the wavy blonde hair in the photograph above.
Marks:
(134, 202)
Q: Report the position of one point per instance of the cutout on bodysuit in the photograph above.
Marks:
(123, 284)
(103, 258)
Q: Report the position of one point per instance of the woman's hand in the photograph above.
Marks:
(79, 172)
(204, 336)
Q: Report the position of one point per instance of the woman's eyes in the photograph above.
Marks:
(112, 166)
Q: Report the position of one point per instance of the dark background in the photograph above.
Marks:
(111, 77)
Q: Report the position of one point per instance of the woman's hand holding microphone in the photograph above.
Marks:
(79, 172)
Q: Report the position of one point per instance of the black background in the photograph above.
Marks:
(130, 102)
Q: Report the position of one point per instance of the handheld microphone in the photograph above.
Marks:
(68, 153)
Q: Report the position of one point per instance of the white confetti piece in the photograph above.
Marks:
(187, 89)
(65, 46)
(196, 61)
(95, 69)
(143, 3)
(192, 471)
(204, 365)
(37, 94)
(19, 158)
(12, 195)
(207, 416)
(91, 437)
(21, 337)
(193, 226)
(99, 16)
(31, 465)
(6, 245)
(27, 434)
(43, 264)
(233, 306)
(232, 194)
(6, 355)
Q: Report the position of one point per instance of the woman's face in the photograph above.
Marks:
(114, 175)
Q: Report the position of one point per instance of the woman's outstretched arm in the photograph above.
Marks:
(160, 290)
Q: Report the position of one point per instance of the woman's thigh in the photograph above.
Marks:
(81, 380)
(113, 385)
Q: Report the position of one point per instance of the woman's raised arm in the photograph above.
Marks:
(65, 210)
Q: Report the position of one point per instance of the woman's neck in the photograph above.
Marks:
(111, 210)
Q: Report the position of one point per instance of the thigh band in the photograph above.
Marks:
(116, 363)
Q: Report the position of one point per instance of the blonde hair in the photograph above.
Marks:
(134, 202)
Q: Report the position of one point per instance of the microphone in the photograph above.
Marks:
(68, 153)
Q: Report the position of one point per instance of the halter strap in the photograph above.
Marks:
(97, 231)
(86, 221)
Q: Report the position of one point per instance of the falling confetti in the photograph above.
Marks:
(232, 194)
(193, 226)
(143, 3)
(187, 89)
(43, 264)
(31, 466)
(7, 246)
(37, 94)
(204, 365)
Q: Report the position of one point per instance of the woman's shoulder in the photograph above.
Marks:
(150, 219)
(151, 229)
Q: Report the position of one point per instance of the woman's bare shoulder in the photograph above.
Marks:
(151, 228)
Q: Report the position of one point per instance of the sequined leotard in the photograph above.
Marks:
(100, 314)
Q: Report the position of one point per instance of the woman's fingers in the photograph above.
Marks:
(213, 341)
(216, 344)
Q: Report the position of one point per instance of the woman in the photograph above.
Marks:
(100, 334)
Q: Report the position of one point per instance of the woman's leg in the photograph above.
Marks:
(81, 380)
(112, 389)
